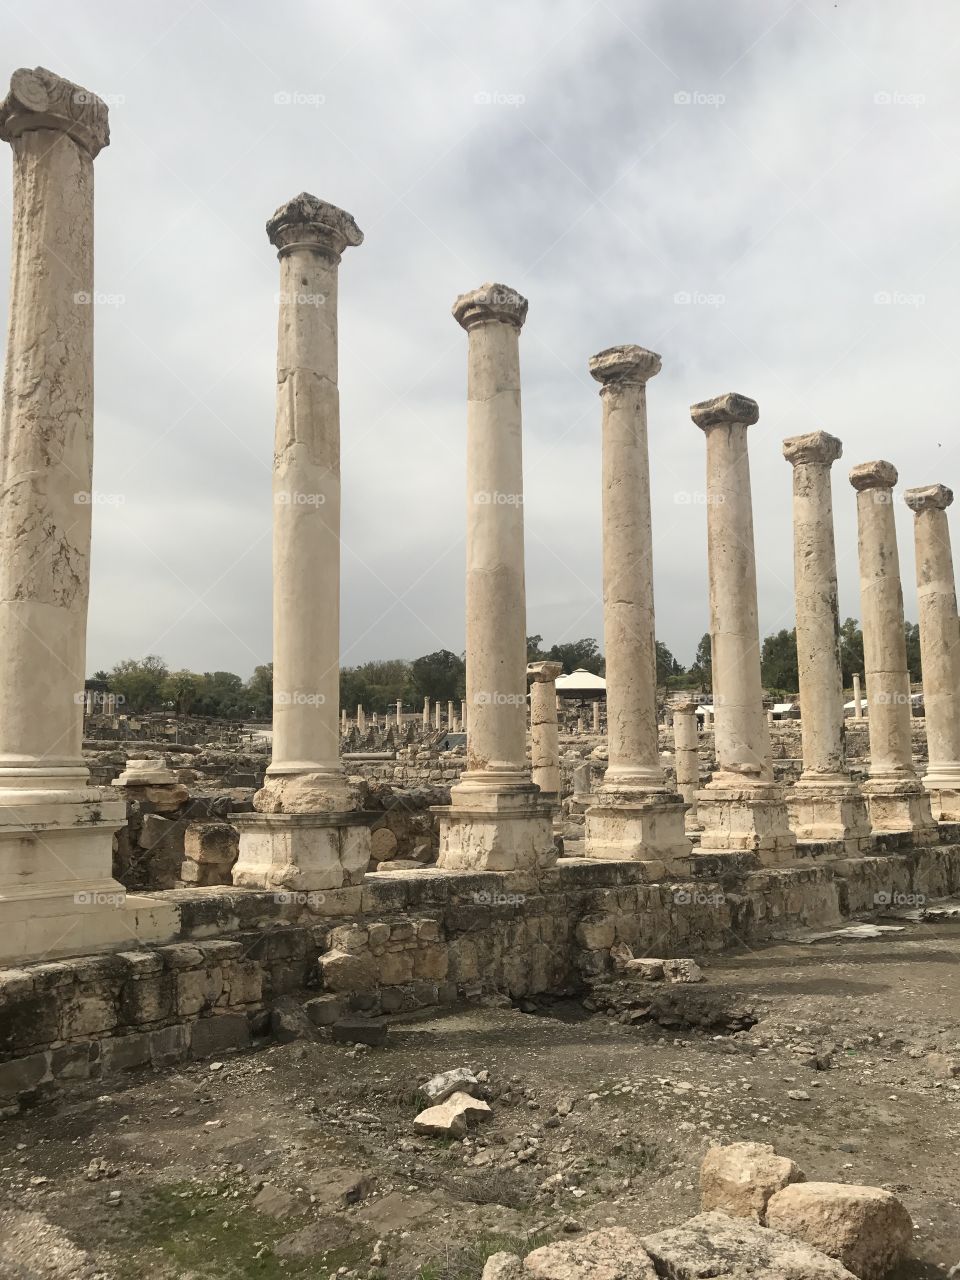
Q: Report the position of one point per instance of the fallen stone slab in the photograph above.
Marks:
(739, 1179)
(452, 1117)
(723, 1248)
(439, 1087)
(372, 1031)
(275, 1202)
(867, 1228)
(862, 932)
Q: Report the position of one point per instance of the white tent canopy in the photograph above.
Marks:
(580, 683)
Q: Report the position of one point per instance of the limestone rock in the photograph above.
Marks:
(451, 1117)
(459, 1080)
(348, 973)
(739, 1179)
(611, 1254)
(867, 1228)
(724, 1248)
(682, 971)
(503, 1266)
(383, 844)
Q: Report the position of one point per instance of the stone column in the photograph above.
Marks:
(327, 846)
(596, 717)
(897, 801)
(825, 804)
(426, 712)
(57, 892)
(451, 718)
(857, 699)
(686, 750)
(497, 819)
(361, 719)
(741, 808)
(580, 725)
(343, 721)
(636, 815)
(399, 712)
(939, 647)
(463, 715)
(436, 716)
(544, 733)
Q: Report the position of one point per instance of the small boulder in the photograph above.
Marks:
(866, 1228)
(682, 971)
(503, 1266)
(611, 1254)
(452, 1117)
(371, 1031)
(714, 1244)
(459, 1080)
(739, 1179)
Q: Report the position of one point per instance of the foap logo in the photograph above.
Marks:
(897, 298)
(484, 899)
(697, 98)
(485, 698)
(298, 699)
(95, 298)
(296, 98)
(89, 898)
(91, 498)
(894, 898)
(83, 98)
(693, 498)
(494, 498)
(884, 699)
(496, 98)
(685, 298)
(698, 898)
(897, 98)
(287, 299)
(299, 898)
(294, 498)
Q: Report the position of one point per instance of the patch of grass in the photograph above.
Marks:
(507, 1187)
(465, 1262)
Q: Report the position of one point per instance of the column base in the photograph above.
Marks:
(57, 895)
(820, 809)
(314, 792)
(642, 828)
(943, 788)
(302, 852)
(502, 832)
(900, 805)
(750, 818)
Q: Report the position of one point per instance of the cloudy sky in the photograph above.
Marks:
(764, 192)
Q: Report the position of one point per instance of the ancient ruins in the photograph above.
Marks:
(167, 903)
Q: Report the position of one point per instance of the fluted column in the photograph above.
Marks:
(741, 808)
(939, 646)
(496, 819)
(896, 799)
(825, 804)
(544, 733)
(637, 815)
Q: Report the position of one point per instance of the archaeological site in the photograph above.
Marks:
(517, 961)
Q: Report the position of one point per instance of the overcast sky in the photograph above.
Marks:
(736, 186)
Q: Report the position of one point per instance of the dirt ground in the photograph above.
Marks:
(848, 1070)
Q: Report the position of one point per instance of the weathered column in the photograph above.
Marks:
(343, 721)
(307, 834)
(636, 815)
(544, 733)
(741, 808)
(399, 712)
(497, 819)
(686, 751)
(436, 716)
(580, 724)
(825, 804)
(451, 718)
(939, 647)
(596, 717)
(361, 719)
(896, 799)
(857, 699)
(426, 712)
(463, 715)
(57, 892)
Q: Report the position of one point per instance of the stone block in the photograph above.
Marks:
(168, 1045)
(372, 1031)
(865, 1228)
(197, 989)
(126, 1053)
(218, 1034)
(344, 972)
(323, 1011)
(610, 1252)
(75, 1061)
(147, 999)
(23, 1075)
(216, 843)
(714, 1244)
(739, 1179)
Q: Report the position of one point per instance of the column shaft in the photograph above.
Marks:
(544, 732)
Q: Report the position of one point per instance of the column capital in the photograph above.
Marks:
(874, 475)
(816, 446)
(307, 222)
(684, 704)
(624, 366)
(490, 302)
(929, 497)
(40, 99)
(723, 410)
(543, 672)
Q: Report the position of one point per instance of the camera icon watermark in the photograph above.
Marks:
(483, 898)
(698, 898)
(487, 698)
(293, 498)
(296, 98)
(91, 898)
(91, 498)
(897, 298)
(496, 98)
(696, 98)
(894, 898)
(897, 98)
(695, 298)
(95, 298)
(494, 498)
(299, 898)
(298, 698)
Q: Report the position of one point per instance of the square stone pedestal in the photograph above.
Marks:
(751, 819)
(302, 852)
(834, 812)
(648, 829)
(900, 807)
(57, 894)
(944, 793)
(497, 831)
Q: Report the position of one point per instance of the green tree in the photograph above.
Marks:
(702, 666)
(385, 681)
(182, 689)
(911, 634)
(667, 665)
(534, 652)
(778, 661)
(579, 655)
(440, 676)
(851, 651)
(140, 683)
(260, 692)
(221, 694)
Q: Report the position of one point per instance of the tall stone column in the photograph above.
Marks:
(939, 647)
(426, 712)
(451, 718)
(437, 710)
(57, 892)
(596, 716)
(686, 751)
(636, 815)
(544, 733)
(857, 699)
(463, 715)
(399, 712)
(825, 803)
(307, 834)
(741, 808)
(897, 801)
(496, 819)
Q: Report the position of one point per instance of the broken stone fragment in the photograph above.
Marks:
(458, 1080)
(713, 1244)
(503, 1266)
(452, 1117)
(682, 971)
(866, 1228)
(611, 1254)
(739, 1179)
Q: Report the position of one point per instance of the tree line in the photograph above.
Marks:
(146, 684)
